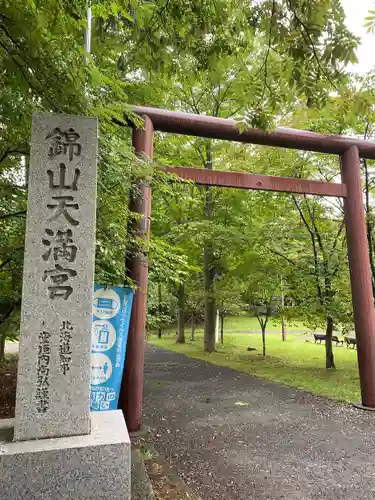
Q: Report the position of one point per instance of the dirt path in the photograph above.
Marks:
(232, 436)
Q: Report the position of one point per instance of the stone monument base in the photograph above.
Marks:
(91, 467)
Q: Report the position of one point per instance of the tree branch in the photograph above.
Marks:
(315, 251)
(316, 57)
(281, 255)
(14, 214)
(12, 151)
(265, 63)
(32, 85)
(6, 316)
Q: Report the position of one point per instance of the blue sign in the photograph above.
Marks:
(110, 326)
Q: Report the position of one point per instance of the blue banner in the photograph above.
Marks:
(110, 326)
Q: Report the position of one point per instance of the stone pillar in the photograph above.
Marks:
(88, 456)
(53, 387)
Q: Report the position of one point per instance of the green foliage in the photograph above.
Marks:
(43, 69)
(370, 22)
(262, 63)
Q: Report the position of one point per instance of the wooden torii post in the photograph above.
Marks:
(349, 151)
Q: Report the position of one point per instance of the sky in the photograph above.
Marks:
(356, 11)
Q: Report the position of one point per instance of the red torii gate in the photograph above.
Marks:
(349, 151)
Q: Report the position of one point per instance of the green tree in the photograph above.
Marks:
(247, 60)
(262, 293)
(43, 69)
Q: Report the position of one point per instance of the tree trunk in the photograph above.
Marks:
(3, 336)
(369, 226)
(222, 328)
(209, 302)
(330, 362)
(193, 327)
(159, 309)
(264, 341)
(209, 273)
(2, 347)
(283, 328)
(27, 169)
(181, 315)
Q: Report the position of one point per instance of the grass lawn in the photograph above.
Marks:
(298, 362)
(246, 323)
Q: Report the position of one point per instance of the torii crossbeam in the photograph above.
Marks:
(348, 149)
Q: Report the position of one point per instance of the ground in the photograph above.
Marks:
(298, 362)
(166, 484)
(230, 435)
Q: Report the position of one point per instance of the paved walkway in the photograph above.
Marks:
(232, 436)
(11, 347)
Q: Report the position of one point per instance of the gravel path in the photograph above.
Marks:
(232, 436)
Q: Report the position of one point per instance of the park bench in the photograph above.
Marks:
(320, 337)
(350, 341)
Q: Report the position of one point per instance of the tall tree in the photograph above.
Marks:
(248, 60)
(243, 60)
